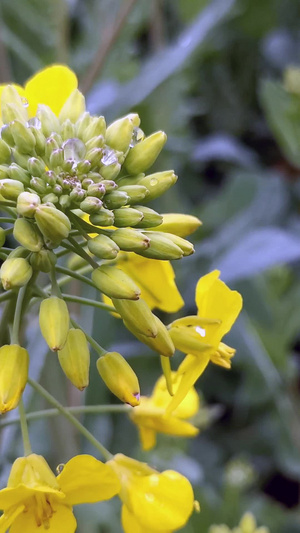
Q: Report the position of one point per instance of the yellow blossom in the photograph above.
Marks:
(200, 336)
(246, 525)
(152, 501)
(34, 497)
(151, 418)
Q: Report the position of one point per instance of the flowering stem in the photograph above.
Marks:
(7, 219)
(101, 351)
(66, 279)
(83, 253)
(87, 301)
(17, 316)
(24, 429)
(69, 416)
(79, 410)
(75, 275)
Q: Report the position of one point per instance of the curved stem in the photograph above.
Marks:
(72, 274)
(65, 412)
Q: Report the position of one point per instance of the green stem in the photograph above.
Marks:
(69, 416)
(6, 295)
(80, 251)
(101, 351)
(17, 316)
(55, 289)
(24, 429)
(72, 274)
(80, 410)
(7, 219)
(87, 301)
(66, 279)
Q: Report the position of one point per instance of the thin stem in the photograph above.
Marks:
(66, 279)
(87, 301)
(55, 289)
(80, 410)
(83, 253)
(7, 220)
(24, 429)
(101, 351)
(6, 296)
(17, 316)
(105, 47)
(69, 416)
(75, 275)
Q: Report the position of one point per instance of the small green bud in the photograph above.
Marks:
(6, 135)
(11, 112)
(64, 201)
(115, 283)
(49, 121)
(144, 154)
(54, 322)
(136, 193)
(4, 172)
(18, 252)
(105, 217)
(20, 159)
(161, 247)
(83, 167)
(40, 141)
(97, 126)
(43, 261)
(110, 172)
(27, 204)
(18, 173)
(67, 130)
(23, 137)
(96, 189)
(186, 246)
(82, 124)
(50, 198)
(103, 247)
(109, 185)
(54, 224)
(74, 358)
(130, 240)
(5, 154)
(158, 183)
(150, 219)
(12, 105)
(15, 272)
(119, 134)
(38, 185)
(36, 166)
(56, 158)
(28, 235)
(179, 224)
(95, 142)
(116, 199)
(10, 189)
(137, 315)
(91, 205)
(14, 362)
(51, 145)
(94, 157)
(73, 108)
(2, 237)
(127, 216)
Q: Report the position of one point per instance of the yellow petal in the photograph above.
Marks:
(196, 368)
(161, 398)
(62, 521)
(51, 86)
(131, 525)
(8, 518)
(86, 480)
(148, 437)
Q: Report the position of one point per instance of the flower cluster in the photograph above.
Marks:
(246, 525)
(74, 191)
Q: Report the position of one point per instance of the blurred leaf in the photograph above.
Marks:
(226, 148)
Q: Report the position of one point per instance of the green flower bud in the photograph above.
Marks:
(49, 121)
(23, 137)
(18, 173)
(40, 141)
(94, 157)
(96, 189)
(150, 219)
(115, 283)
(3, 237)
(73, 108)
(110, 172)
(54, 225)
(119, 377)
(56, 158)
(136, 193)
(19, 158)
(127, 216)
(161, 343)
(5, 154)
(4, 172)
(119, 134)
(36, 167)
(68, 130)
(12, 105)
(51, 145)
(105, 217)
(43, 261)
(38, 185)
(14, 362)
(28, 235)
(186, 246)
(82, 124)
(97, 126)
(116, 199)
(91, 205)
(161, 247)
(6, 135)
(64, 201)
(18, 252)
(11, 112)
(179, 224)
(158, 183)
(130, 240)
(109, 185)
(137, 315)
(50, 198)
(74, 358)
(27, 204)
(15, 272)
(95, 142)
(103, 247)
(10, 189)
(144, 154)
(54, 322)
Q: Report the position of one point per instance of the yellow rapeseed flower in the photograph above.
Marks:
(151, 418)
(152, 501)
(200, 336)
(34, 497)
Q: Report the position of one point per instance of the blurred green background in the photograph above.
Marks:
(208, 73)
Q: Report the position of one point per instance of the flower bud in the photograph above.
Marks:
(38, 185)
(14, 362)
(186, 247)
(116, 199)
(97, 126)
(2, 237)
(91, 205)
(74, 358)
(126, 216)
(67, 130)
(115, 283)
(10, 189)
(54, 224)
(151, 218)
(109, 185)
(43, 261)
(6, 135)
(28, 235)
(5, 156)
(158, 183)
(54, 322)
(130, 240)
(4, 172)
(95, 142)
(12, 106)
(105, 217)
(103, 247)
(40, 141)
(49, 121)
(18, 173)
(36, 167)
(110, 172)
(144, 154)
(161, 247)
(119, 377)
(20, 159)
(27, 204)
(15, 272)
(136, 193)
(19, 251)
(73, 108)
(189, 340)
(96, 189)
(161, 343)
(56, 158)
(23, 137)
(178, 224)
(83, 123)
(119, 134)
(137, 315)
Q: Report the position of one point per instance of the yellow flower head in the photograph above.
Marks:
(151, 418)
(152, 501)
(200, 336)
(246, 525)
(35, 498)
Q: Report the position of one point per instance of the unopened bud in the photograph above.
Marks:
(136, 193)
(137, 315)
(115, 283)
(40, 141)
(91, 205)
(186, 246)
(150, 217)
(48, 119)
(144, 154)
(158, 183)
(12, 106)
(105, 217)
(28, 235)
(179, 224)
(73, 108)
(161, 343)
(5, 154)
(23, 137)
(56, 158)
(38, 185)
(119, 377)
(14, 362)
(110, 172)
(116, 199)
(18, 173)
(103, 247)
(130, 240)
(95, 142)
(15, 272)
(54, 224)
(161, 248)
(96, 189)
(82, 124)
(67, 130)
(127, 216)
(19, 158)
(119, 134)
(97, 126)
(10, 189)
(43, 261)
(74, 358)
(54, 322)
(189, 340)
